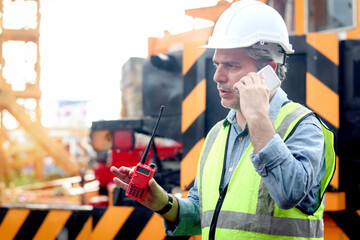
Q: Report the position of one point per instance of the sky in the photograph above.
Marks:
(84, 43)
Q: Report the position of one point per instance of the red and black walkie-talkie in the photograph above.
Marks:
(142, 174)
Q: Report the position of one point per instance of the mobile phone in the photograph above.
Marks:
(272, 81)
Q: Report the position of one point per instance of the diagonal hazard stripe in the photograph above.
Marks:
(53, 223)
(85, 233)
(193, 52)
(32, 223)
(111, 222)
(135, 223)
(189, 163)
(193, 105)
(326, 43)
(12, 222)
(76, 223)
(3, 212)
(322, 100)
(153, 228)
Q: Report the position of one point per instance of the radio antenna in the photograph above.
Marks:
(144, 156)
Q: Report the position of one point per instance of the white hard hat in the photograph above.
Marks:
(251, 23)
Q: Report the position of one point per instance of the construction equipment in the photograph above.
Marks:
(323, 74)
(16, 43)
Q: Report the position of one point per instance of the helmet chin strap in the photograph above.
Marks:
(277, 52)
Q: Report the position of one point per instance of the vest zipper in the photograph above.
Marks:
(216, 213)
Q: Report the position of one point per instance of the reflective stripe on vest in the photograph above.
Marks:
(280, 226)
(266, 219)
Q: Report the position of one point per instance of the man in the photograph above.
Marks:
(264, 169)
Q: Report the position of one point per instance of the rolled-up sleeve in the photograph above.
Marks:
(189, 216)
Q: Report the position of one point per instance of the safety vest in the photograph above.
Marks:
(244, 208)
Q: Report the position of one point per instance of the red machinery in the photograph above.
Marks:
(126, 147)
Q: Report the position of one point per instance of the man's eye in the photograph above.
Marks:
(216, 65)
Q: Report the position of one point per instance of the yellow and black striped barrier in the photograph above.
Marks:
(41, 221)
(193, 108)
(313, 78)
(38, 221)
(201, 107)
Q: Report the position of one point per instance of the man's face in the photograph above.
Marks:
(231, 65)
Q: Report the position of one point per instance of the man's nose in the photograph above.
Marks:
(219, 75)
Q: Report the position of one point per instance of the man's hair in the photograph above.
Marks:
(261, 57)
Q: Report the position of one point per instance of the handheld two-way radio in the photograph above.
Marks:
(142, 174)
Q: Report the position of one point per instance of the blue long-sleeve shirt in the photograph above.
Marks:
(292, 171)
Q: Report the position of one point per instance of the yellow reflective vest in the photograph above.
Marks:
(244, 208)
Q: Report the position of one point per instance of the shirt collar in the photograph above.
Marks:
(230, 118)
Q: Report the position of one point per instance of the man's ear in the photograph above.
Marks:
(273, 64)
